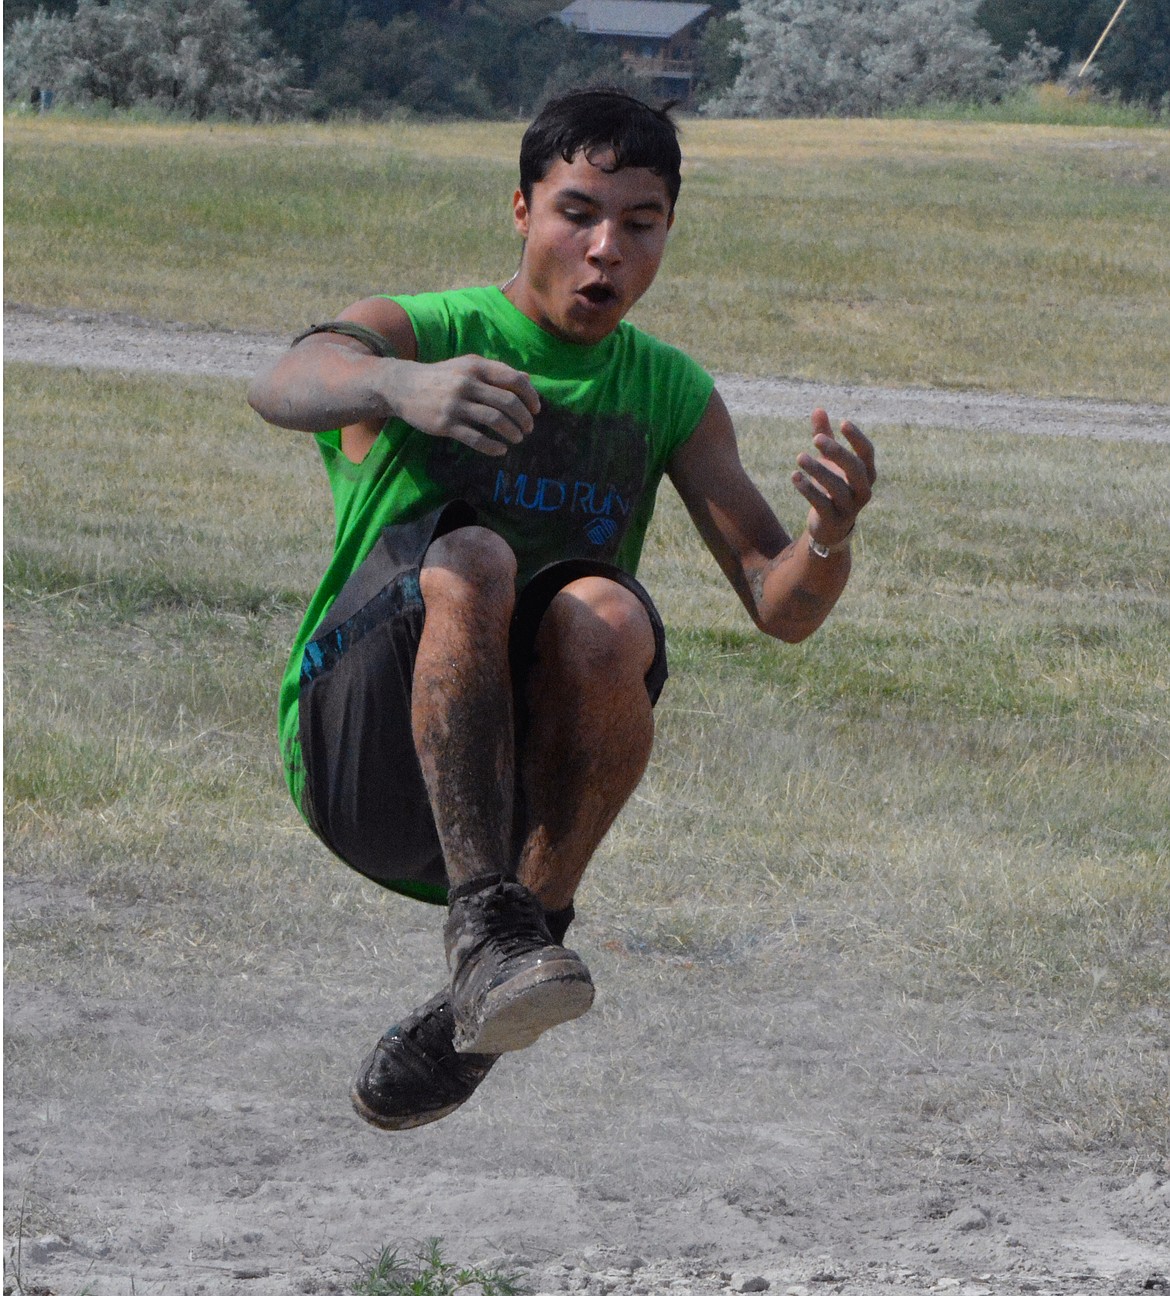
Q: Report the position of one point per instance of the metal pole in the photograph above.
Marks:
(1101, 38)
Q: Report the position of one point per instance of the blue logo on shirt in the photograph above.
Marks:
(571, 487)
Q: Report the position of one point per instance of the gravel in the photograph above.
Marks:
(126, 342)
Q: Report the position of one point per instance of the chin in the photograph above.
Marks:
(595, 329)
(593, 336)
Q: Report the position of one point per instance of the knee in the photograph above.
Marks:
(600, 629)
(471, 566)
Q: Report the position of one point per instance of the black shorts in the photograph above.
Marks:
(364, 793)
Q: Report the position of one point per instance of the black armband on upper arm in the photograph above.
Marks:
(366, 336)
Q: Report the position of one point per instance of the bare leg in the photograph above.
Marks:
(590, 731)
(462, 702)
(588, 743)
(510, 982)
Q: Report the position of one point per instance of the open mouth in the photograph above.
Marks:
(599, 294)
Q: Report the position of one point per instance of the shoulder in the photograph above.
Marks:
(661, 355)
(387, 318)
(409, 320)
(453, 322)
(676, 387)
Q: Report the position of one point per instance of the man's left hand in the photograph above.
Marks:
(837, 481)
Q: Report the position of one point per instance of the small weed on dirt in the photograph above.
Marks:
(428, 1274)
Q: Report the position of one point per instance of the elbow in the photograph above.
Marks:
(798, 616)
(789, 634)
(266, 398)
(792, 629)
(257, 392)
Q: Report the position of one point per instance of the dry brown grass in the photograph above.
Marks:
(944, 794)
(1026, 258)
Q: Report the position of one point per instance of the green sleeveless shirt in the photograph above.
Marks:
(582, 484)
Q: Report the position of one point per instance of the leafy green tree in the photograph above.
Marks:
(718, 61)
(521, 63)
(1134, 61)
(857, 57)
(36, 54)
(192, 57)
(458, 60)
(15, 10)
(404, 64)
(310, 30)
(1055, 22)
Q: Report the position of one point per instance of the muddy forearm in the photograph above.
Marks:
(319, 387)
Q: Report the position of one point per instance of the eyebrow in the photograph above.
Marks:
(579, 195)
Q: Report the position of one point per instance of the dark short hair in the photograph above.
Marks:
(592, 121)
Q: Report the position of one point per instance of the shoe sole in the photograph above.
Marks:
(517, 1013)
(382, 1122)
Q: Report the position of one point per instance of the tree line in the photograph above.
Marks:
(264, 59)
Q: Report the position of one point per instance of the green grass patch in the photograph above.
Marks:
(1049, 104)
(427, 1273)
(965, 772)
(162, 493)
(1030, 258)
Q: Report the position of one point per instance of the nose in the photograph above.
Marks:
(604, 248)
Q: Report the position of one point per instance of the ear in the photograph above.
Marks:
(670, 220)
(520, 214)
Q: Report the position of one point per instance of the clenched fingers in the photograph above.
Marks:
(485, 404)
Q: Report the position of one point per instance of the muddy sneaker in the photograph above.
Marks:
(414, 1076)
(510, 980)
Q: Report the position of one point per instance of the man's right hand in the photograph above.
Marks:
(483, 403)
(328, 380)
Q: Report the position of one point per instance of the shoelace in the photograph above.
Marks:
(429, 1019)
(515, 929)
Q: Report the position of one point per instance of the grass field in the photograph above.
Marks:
(1022, 258)
(959, 787)
(965, 775)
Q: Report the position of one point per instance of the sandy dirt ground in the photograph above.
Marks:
(754, 1119)
(127, 342)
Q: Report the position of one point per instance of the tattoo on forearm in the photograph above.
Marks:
(757, 577)
(810, 604)
(803, 605)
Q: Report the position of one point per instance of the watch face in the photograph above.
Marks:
(827, 551)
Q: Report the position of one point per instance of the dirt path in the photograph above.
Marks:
(113, 341)
(761, 1120)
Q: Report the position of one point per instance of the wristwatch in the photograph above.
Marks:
(824, 551)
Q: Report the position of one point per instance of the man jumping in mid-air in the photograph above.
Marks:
(469, 702)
